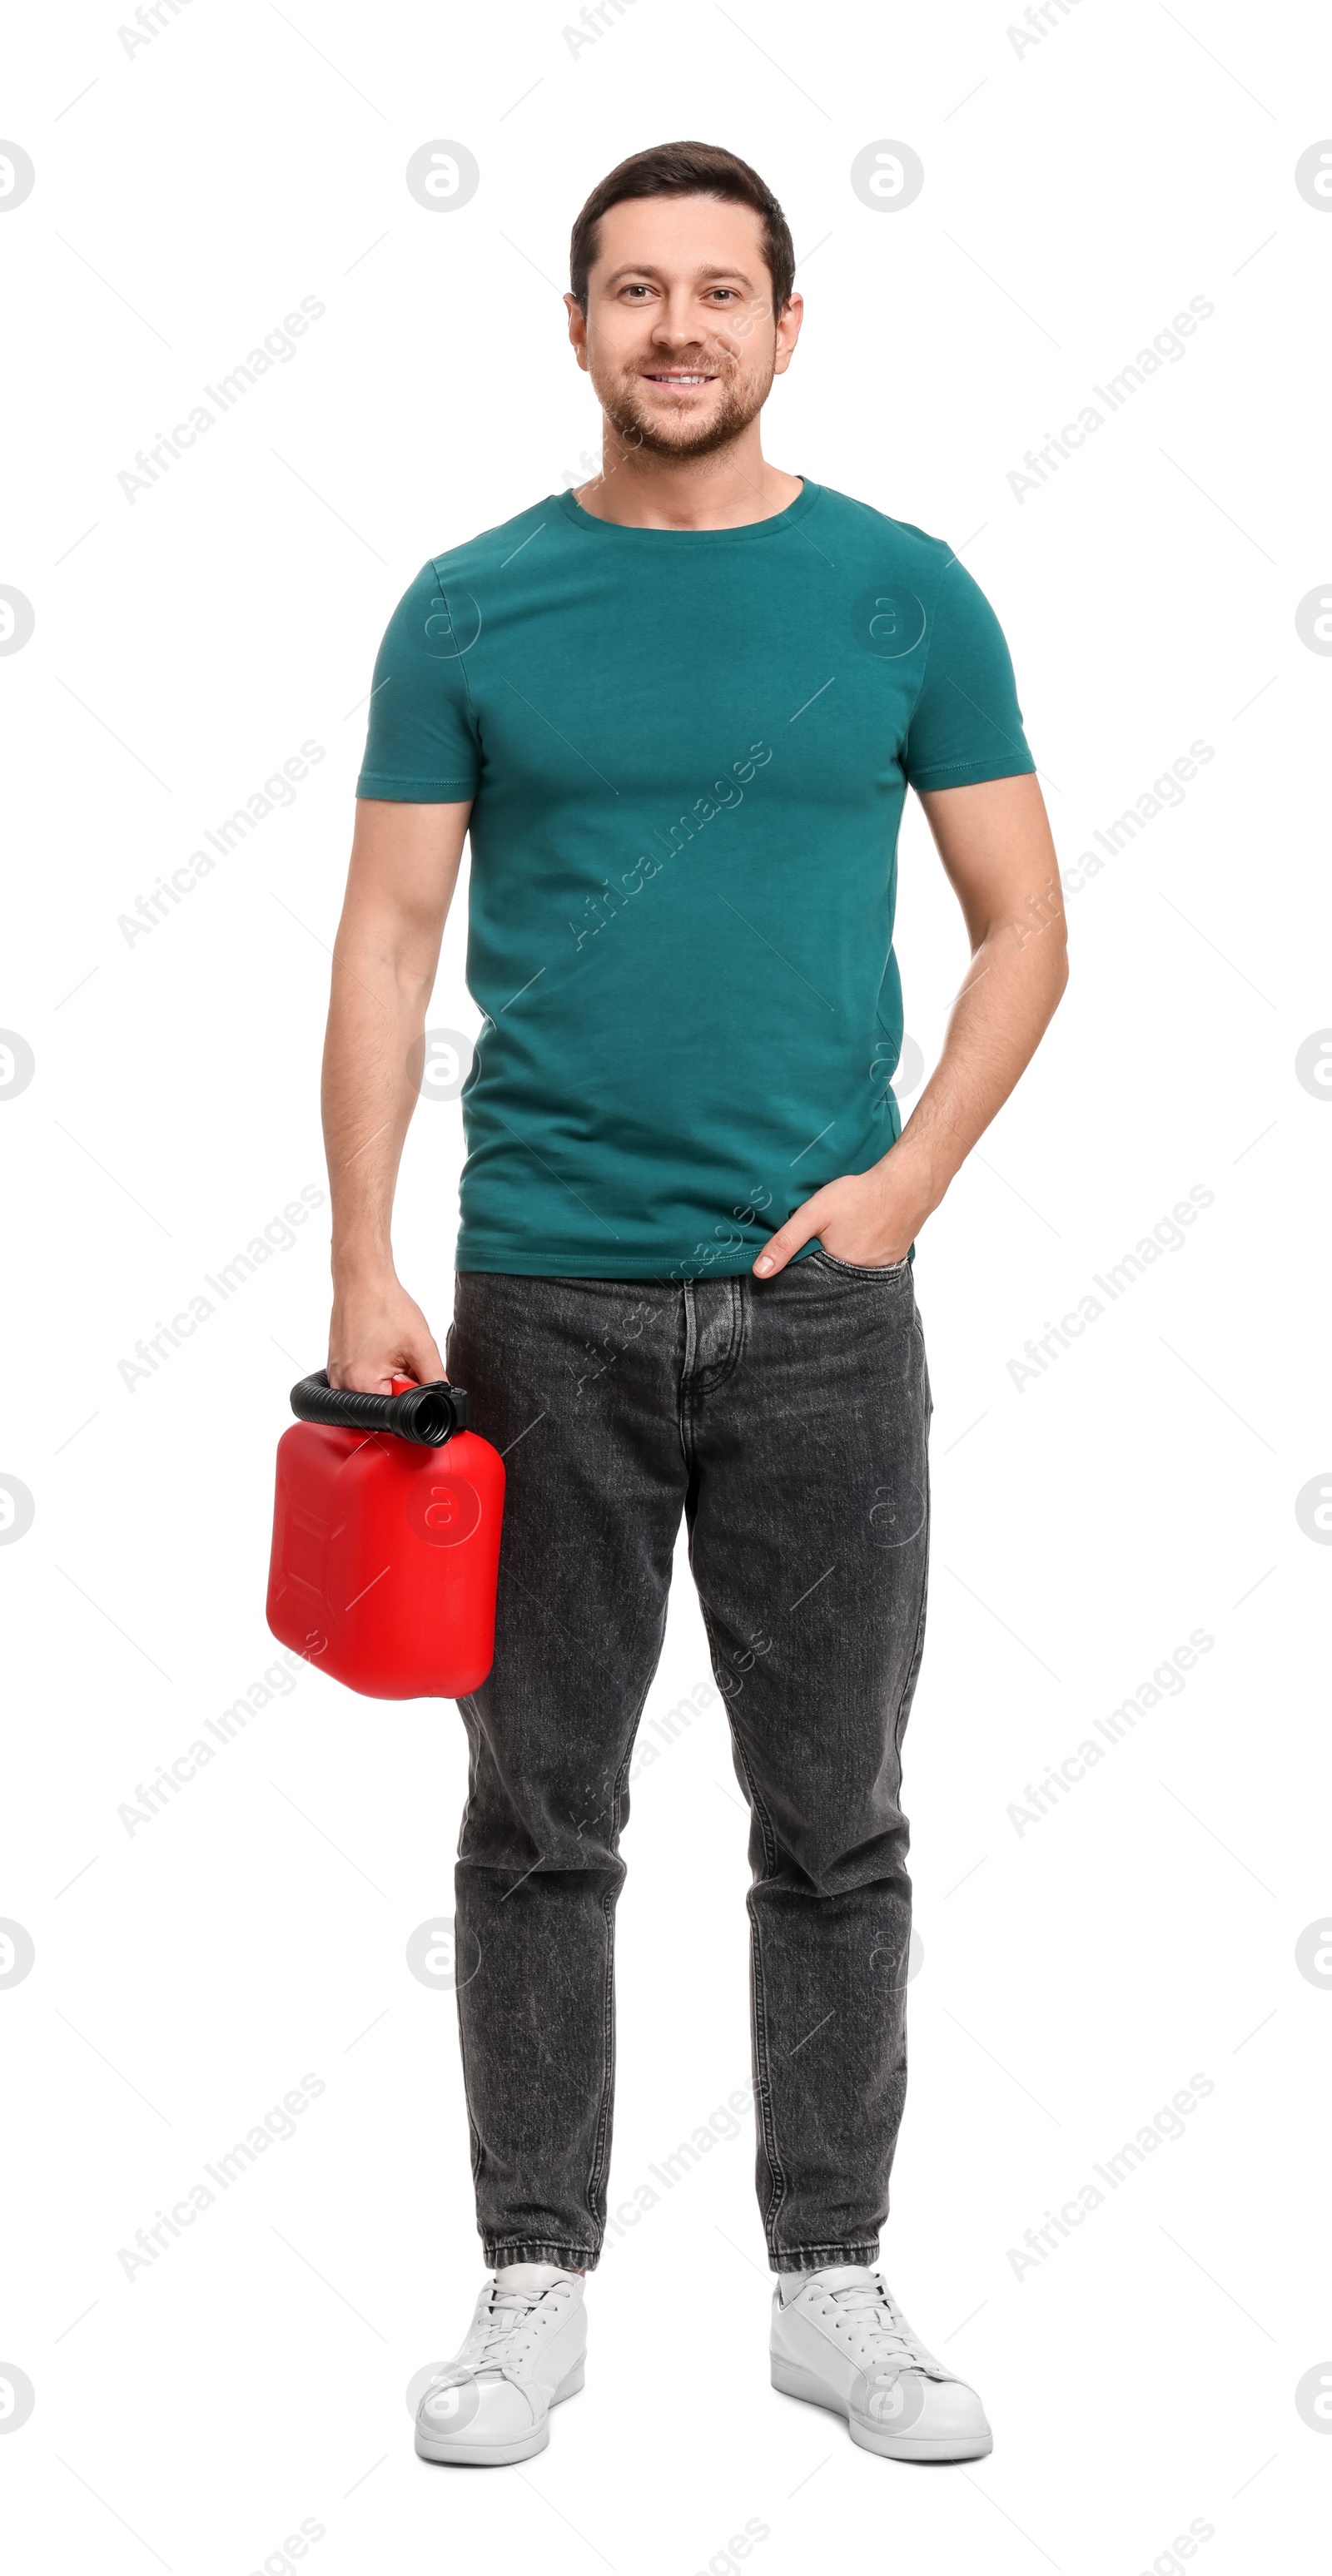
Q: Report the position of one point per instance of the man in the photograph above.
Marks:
(678, 709)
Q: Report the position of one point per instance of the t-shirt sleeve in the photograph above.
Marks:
(966, 724)
(422, 746)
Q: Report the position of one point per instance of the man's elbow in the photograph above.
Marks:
(1056, 966)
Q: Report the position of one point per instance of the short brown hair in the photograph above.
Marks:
(685, 170)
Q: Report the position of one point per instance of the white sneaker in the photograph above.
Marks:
(840, 2340)
(491, 2404)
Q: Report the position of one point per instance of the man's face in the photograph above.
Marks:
(680, 339)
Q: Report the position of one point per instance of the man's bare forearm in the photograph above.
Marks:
(1001, 1013)
(375, 1014)
(404, 866)
(994, 841)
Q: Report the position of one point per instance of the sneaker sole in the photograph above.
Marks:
(498, 2455)
(793, 2381)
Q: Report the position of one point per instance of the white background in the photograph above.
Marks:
(1077, 194)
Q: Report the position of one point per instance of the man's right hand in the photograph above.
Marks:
(378, 1333)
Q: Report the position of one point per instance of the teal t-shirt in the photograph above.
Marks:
(688, 755)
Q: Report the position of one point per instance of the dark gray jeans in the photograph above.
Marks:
(788, 1419)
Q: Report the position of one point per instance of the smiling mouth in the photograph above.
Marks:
(676, 376)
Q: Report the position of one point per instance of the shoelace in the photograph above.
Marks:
(502, 2322)
(878, 2321)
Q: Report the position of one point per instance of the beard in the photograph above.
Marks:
(643, 429)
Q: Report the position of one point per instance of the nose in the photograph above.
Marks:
(677, 327)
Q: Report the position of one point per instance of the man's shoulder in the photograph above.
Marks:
(490, 547)
(876, 531)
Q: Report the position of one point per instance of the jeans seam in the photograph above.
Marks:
(608, 2044)
(608, 1903)
(709, 1382)
(763, 2093)
(536, 2249)
(804, 2257)
(758, 2000)
(899, 1724)
(918, 1642)
(724, 1370)
(471, 1724)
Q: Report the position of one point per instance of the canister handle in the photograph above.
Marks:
(429, 1414)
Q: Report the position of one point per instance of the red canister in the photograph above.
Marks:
(386, 1536)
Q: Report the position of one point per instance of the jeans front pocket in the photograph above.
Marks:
(866, 1269)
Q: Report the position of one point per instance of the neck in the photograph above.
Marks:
(728, 489)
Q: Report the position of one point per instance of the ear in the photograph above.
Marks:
(577, 329)
(788, 332)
